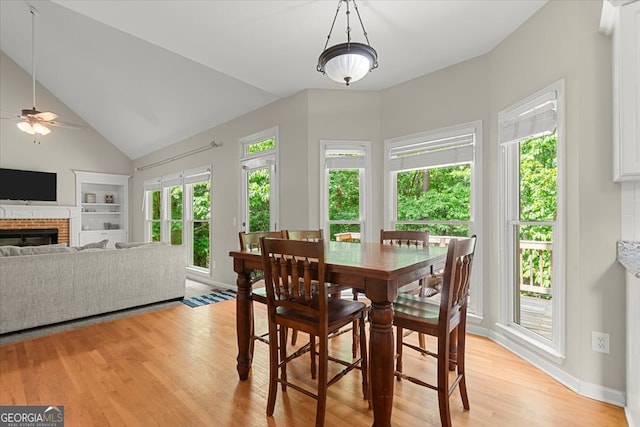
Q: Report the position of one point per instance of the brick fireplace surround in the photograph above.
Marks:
(21, 224)
(65, 218)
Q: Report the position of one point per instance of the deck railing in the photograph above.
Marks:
(533, 268)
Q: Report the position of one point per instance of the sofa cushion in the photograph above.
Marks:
(9, 250)
(46, 249)
(94, 245)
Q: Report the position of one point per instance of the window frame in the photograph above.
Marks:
(164, 185)
(434, 138)
(554, 349)
(250, 162)
(327, 146)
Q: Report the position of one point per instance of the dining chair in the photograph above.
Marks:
(250, 241)
(446, 320)
(292, 268)
(334, 291)
(426, 286)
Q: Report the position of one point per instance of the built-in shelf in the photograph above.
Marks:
(103, 201)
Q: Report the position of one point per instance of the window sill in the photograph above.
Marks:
(508, 335)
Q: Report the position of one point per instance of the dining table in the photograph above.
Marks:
(375, 269)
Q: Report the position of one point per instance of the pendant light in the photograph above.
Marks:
(351, 61)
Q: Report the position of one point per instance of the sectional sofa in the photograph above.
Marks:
(47, 285)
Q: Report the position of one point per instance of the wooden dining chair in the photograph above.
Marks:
(446, 320)
(250, 241)
(426, 286)
(292, 268)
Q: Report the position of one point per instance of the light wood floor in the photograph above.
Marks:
(176, 367)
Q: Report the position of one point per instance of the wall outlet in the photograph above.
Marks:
(600, 342)
(213, 265)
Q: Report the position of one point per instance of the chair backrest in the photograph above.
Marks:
(405, 238)
(251, 241)
(294, 272)
(308, 235)
(457, 277)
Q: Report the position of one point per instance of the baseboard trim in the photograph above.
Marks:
(592, 391)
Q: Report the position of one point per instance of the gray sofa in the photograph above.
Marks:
(68, 283)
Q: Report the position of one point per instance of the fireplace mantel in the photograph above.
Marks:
(42, 212)
(37, 211)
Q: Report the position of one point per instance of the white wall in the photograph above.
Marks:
(562, 41)
(63, 150)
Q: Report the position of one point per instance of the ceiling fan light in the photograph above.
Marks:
(26, 127)
(348, 62)
(41, 129)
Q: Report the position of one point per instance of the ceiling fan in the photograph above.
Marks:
(31, 120)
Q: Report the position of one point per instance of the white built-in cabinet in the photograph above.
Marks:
(103, 200)
(626, 90)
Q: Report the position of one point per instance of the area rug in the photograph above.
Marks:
(211, 298)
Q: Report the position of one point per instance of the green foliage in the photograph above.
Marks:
(344, 194)
(259, 199)
(201, 216)
(439, 194)
(267, 144)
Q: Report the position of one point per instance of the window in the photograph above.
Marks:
(531, 171)
(258, 161)
(433, 183)
(178, 211)
(344, 185)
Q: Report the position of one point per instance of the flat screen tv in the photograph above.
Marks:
(26, 185)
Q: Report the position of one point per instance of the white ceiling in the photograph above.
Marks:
(146, 74)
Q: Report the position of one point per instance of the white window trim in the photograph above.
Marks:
(164, 183)
(365, 184)
(194, 176)
(555, 349)
(476, 302)
(259, 160)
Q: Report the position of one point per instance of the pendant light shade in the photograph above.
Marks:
(347, 62)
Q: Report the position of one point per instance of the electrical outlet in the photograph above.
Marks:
(213, 264)
(600, 342)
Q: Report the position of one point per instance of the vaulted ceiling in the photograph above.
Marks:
(146, 74)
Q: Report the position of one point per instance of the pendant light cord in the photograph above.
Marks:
(355, 6)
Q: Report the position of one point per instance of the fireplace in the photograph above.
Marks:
(29, 237)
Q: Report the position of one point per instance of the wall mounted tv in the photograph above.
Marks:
(27, 185)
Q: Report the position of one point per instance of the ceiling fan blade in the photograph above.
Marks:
(62, 124)
(46, 116)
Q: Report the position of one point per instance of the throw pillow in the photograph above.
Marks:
(128, 245)
(95, 245)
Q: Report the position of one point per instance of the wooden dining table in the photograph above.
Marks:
(377, 270)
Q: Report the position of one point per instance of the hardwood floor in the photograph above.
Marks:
(176, 367)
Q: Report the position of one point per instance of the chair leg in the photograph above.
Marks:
(283, 356)
(322, 383)
(399, 336)
(463, 378)
(294, 337)
(421, 341)
(312, 352)
(364, 364)
(355, 336)
(273, 369)
(443, 381)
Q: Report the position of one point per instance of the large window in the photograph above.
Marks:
(531, 167)
(178, 211)
(258, 165)
(344, 188)
(433, 184)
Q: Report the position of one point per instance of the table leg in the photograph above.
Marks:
(244, 324)
(381, 362)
